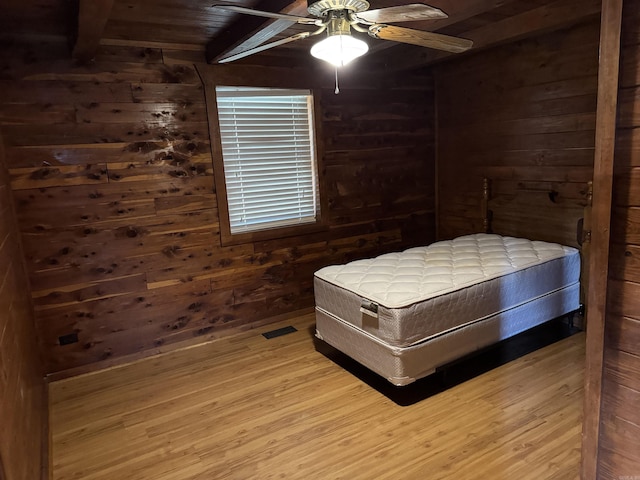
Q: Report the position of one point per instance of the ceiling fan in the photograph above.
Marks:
(337, 17)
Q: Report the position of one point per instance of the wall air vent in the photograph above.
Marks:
(279, 332)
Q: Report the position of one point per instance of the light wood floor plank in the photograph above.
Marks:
(245, 407)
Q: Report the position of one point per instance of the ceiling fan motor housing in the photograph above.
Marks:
(323, 7)
(337, 22)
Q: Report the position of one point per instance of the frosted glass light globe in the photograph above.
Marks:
(339, 49)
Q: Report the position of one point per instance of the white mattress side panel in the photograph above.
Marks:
(399, 279)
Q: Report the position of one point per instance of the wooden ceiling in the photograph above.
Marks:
(195, 26)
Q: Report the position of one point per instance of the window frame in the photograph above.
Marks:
(226, 237)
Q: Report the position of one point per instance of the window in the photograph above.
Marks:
(268, 155)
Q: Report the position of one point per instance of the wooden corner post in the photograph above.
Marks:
(608, 71)
(585, 245)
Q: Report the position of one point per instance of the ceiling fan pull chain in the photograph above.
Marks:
(337, 90)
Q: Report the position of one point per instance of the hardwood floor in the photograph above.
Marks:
(250, 408)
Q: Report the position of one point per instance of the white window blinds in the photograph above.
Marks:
(268, 155)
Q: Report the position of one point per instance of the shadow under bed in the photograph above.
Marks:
(460, 370)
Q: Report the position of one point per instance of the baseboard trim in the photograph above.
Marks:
(95, 367)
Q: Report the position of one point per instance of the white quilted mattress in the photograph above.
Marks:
(407, 297)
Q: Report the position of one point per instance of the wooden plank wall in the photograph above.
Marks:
(524, 116)
(111, 171)
(22, 394)
(619, 449)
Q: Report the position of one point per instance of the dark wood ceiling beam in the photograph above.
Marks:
(460, 10)
(92, 18)
(271, 28)
(249, 31)
(457, 11)
(555, 16)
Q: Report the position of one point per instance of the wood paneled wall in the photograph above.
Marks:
(22, 393)
(619, 449)
(524, 116)
(111, 171)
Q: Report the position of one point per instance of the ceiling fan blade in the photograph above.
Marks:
(266, 46)
(402, 13)
(259, 13)
(420, 38)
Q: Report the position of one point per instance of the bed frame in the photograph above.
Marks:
(402, 366)
(583, 227)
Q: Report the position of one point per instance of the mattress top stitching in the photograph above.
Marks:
(402, 278)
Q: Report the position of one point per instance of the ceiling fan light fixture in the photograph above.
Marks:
(339, 50)
(336, 17)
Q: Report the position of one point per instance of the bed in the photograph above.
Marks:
(404, 314)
